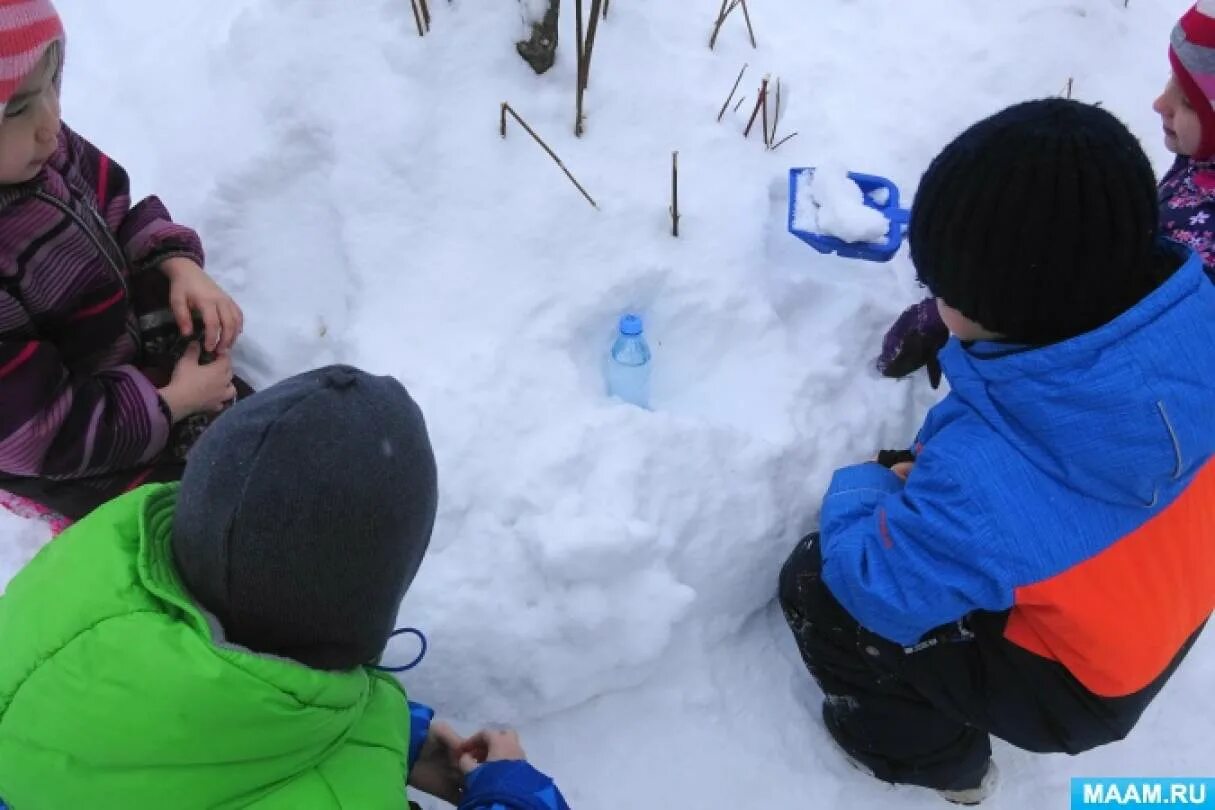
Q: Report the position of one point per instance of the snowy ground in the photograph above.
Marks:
(602, 576)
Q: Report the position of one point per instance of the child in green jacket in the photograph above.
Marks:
(212, 644)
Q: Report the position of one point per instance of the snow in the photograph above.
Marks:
(880, 196)
(602, 576)
(830, 203)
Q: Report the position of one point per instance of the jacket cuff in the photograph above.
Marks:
(871, 476)
(420, 717)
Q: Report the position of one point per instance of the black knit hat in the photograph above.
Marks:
(304, 513)
(1040, 222)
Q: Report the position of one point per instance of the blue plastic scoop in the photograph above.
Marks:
(869, 251)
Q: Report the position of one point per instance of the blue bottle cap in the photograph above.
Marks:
(630, 325)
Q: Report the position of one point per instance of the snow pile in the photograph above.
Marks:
(830, 203)
(601, 575)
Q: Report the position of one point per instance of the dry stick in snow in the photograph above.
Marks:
(417, 17)
(675, 194)
(606, 3)
(733, 90)
(721, 18)
(740, 103)
(425, 14)
(1070, 82)
(750, 30)
(585, 51)
(580, 85)
(591, 29)
(506, 108)
(767, 133)
(760, 104)
(775, 116)
(783, 141)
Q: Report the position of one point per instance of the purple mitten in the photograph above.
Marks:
(913, 342)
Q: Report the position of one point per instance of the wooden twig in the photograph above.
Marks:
(721, 18)
(606, 3)
(586, 46)
(775, 116)
(783, 141)
(581, 85)
(760, 105)
(506, 108)
(1070, 81)
(767, 132)
(591, 29)
(750, 30)
(417, 16)
(721, 15)
(733, 90)
(425, 14)
(675, 194)
(740, 103)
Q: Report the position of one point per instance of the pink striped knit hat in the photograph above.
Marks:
(1192, 54)
(27, 29)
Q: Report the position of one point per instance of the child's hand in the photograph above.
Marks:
(490, 746)
(903, 469)
(192, 290)
(437, 770)
(196, 388)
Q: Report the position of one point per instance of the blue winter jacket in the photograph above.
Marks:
(1070, 486)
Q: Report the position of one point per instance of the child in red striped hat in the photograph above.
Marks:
(100, 389)
(1186, 194)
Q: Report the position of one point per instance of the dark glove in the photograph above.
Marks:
(889, 458)
(913, 342)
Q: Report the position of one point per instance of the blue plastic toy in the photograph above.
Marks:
(869, 251)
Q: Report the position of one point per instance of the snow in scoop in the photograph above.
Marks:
(832, 204)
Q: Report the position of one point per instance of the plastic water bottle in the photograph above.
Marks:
(628, 374)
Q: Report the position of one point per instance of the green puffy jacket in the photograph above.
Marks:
(116, 693)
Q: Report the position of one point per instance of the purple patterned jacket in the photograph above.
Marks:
(73, 253)
(1187, 207)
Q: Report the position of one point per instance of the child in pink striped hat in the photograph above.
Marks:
(1186, 194)
(103, 384)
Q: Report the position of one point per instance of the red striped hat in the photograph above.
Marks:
(27, 29)
(1192, 52)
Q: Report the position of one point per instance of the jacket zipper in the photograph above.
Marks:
(109, 257)
(132, 329)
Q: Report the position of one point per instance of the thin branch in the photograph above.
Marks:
(425, 14)
(502, 126)
(775, 117)
(760, 104)
(767, 132)
(417, 16)
(606, 3)
(740, 103)
(591, 29)
(783, 141)
(733, 90)
(750, 30)
(1070, 82)
(506, 108)
(675, 194)
(581, 85)
(721, 18)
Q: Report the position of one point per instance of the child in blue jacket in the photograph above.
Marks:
(1040, 562)
(1186, 195)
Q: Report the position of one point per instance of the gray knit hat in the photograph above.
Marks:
(304, 513)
